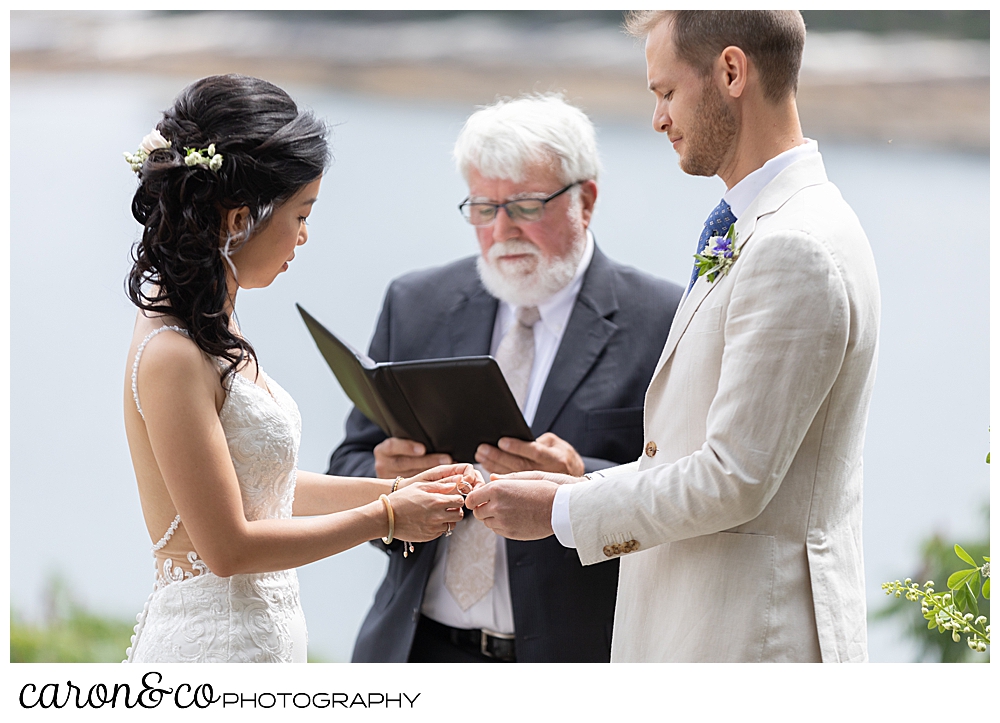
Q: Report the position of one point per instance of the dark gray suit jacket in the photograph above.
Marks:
(593, 398)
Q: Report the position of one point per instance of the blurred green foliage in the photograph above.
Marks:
(69, 633)
(938, 562)
(972, 24)
(968, 24)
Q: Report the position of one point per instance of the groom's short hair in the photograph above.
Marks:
(772, 39)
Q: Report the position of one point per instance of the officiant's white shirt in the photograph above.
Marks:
(739, 198)
(495, 611)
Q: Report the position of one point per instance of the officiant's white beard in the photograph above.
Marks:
(529, 281)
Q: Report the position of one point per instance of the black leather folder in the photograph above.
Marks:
(450, 406)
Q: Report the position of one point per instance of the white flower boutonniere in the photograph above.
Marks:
(153, 141)
(718, 256)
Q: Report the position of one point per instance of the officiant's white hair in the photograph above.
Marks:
(503, 139)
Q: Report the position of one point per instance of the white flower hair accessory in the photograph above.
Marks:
(203, 157)
(153, 141)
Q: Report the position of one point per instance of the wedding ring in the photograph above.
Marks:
(448, 533)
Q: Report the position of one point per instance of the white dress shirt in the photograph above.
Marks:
(739, 198)
(494, 611)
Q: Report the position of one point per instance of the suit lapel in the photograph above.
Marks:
(682, 318)
(802, 174)
(587, 333)
(471, 321)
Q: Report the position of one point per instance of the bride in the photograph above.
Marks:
(226, 182)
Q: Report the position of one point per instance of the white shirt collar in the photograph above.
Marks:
(740, 196)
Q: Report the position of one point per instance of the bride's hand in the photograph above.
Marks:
(426, 509)
(469, 476)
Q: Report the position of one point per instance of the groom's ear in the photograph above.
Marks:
(733, 67)
(236, 220)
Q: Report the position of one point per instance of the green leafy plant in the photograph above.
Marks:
(938, 562)
(956, 611)
(959, 611)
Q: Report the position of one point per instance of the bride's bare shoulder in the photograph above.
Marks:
(169, 357)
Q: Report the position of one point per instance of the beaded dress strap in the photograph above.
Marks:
(138, 354)
(135, 395)
(167, 535)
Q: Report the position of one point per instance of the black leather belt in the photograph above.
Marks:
(493, 645)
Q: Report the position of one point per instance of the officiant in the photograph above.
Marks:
(577, 337)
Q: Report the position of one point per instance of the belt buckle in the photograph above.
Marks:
(484, 641)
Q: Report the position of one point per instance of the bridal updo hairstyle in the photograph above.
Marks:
(270, 150)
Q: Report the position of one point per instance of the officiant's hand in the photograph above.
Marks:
(548, 453)
(396, 457)
(518, 509)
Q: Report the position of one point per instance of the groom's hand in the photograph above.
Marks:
(518, 509)
(548, 453)
(396, 457)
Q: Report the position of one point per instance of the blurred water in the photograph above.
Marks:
(387, 207)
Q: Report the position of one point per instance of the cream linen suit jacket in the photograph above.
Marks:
(740, 529)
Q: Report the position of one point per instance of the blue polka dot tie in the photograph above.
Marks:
(717, 224)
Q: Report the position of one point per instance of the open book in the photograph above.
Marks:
(450, 406)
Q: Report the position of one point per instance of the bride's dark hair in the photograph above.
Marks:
(270, 150)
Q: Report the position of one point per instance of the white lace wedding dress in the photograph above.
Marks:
(193, 615)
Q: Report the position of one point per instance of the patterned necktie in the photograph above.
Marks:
(717, 224)
(516, 353)
(468, 572)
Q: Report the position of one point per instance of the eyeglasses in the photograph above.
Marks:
(525, 209)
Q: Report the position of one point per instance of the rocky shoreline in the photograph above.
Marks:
(904, 89)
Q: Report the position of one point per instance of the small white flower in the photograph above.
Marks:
(203, 157)
(153, 141)
(135, 160)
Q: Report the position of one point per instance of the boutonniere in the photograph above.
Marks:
(719, 255)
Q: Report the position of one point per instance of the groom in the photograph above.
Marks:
(740, 524)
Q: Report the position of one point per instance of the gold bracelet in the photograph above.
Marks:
(392, 521)
(395, 484)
